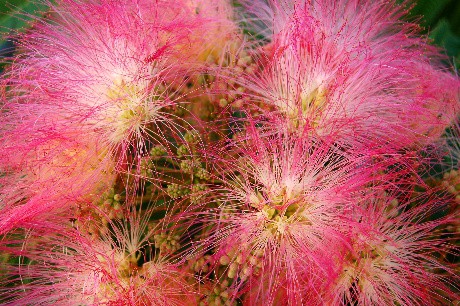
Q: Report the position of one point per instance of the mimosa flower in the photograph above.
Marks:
(56, 174)
(353, 70)
(69, 267)
(196, 152)
(218, 39)
(281, 214)
(90, 87)
(395, 257)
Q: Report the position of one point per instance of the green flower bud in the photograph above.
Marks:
(223, 102)
(201, 173)
(176, 191)
(182, 151)
(186, 165)
(191, 136)
(158, 151)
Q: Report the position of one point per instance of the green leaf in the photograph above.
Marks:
(17, 14)
(430, 10)
(443, 36)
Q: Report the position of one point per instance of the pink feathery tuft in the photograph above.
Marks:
(352, 70)
(396, 255)
(89, 90)
(281, 214)
(67, 266)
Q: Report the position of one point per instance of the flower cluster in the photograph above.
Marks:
(194, 152)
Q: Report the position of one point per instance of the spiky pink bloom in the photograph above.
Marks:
(281, 214)
(89, 89)
(54, 174)
(352, 69)
(216, 39)
(395, 256)
(96, 73)
(66, 266)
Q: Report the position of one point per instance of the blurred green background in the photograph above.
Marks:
(16, 15)
(440, 18)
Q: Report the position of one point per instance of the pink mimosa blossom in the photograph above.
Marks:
(69, 267)
(89, 88)
(354, 70)
(217, 39)
(281, 215)
(394, 257)
(55, 174)
(197, 152)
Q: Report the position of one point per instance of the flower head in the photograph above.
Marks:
(69, 266)
(90, 88)
(281, 212)
(395, 257)
(352, 70)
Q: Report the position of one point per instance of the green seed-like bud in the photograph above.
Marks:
(166, 243)
(231, 273)
(182, 151)
(158, 151)
(198, 187)
(186, 165)
(239, 258)
(224, 260)
(196, 192)
(202, 174)
(240, 89)
(176, 191)
(191, 136)
(223, 102)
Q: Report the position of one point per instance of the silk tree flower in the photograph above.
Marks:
(66, 266)
(294, 210)
(354, 70)
(57, 173)
(216, 48)
(447, 154)
(112, 70)
(281, 210)
(223, 39)
(90, 87)
(395, 256)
